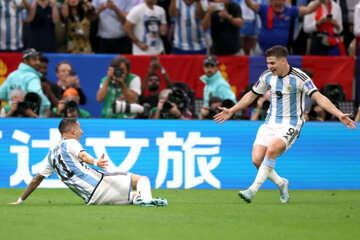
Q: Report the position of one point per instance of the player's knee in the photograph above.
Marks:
(256, 160)
(272, 152)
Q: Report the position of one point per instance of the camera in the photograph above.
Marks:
(71, 106)
(118, 72)
(177, 96)
(32, 101)
(131, 108)
(72, 73)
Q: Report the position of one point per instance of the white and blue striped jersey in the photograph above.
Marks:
(11, 25)
(286, 96)
(188, 33)
(75, 173)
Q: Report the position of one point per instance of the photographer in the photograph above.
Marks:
(210, 111)
(22, 105)
(118, 85)
(68, 106)
(172, 105)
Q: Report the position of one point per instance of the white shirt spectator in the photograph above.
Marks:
(109, 23)
(147, 28)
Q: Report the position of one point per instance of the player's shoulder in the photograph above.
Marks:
(296, 72)
(265, 74)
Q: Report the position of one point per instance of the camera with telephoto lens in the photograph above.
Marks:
(32, 101)
(118, 72)
(131, 108)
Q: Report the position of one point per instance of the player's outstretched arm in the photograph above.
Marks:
(326, 104)
(225, 113)
(35, 182)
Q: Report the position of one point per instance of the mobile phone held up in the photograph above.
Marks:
(218, 6)
(329, 16)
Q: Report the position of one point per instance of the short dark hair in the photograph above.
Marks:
(277, 51)
(44, 59)
(116, 61)
(66, 124)
(62, 62)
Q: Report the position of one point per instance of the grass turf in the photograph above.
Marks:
(191, 214)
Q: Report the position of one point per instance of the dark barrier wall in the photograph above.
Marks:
(186, 154)
(239, 71)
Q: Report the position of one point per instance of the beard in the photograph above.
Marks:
(153, 87)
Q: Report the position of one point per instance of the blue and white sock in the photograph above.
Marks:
(263, 173)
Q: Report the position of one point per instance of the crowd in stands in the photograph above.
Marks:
(153, 27)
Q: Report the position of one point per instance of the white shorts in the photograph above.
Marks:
(114, 189)
(286, 133)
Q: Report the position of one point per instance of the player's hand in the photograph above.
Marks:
(222, 116)
(102, 163)
(346, 120)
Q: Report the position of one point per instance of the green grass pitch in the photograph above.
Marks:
(192, 214)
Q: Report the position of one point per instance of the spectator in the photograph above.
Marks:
(43, 16)
(173, 104)
(144, 25)
(262, 106)
(325, 25)
(188, 34)
(26, 78)
(119, 84)
(251, 28)
(67, 78)
(78, 15)
(224, 19)
(11, 33)
(68, 106)
(50, 89)
(112, 15)
(215, 84)
(276, 20)
(152, 83)
(19, 107)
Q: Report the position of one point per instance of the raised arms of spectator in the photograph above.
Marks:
(172, 9)
(253, 5)
(55, 15)
(206, 23)
(101, 93)
(25, 4)
(127, 27)
(236, 21)
(121, 15)
(154, 65)
(311, 7)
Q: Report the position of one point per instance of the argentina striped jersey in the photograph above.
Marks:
(188, 33)
(286, 96)
(76, 174)
(11, 25)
